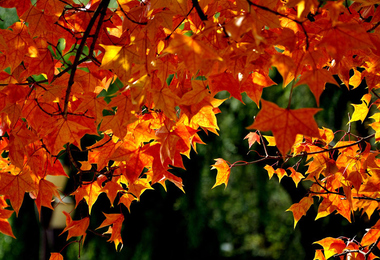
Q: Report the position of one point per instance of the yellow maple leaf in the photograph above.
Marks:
(361, 110)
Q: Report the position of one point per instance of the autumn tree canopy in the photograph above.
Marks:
(141, 78)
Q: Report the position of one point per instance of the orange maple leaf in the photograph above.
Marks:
(225, 81)
(15, 185)
(223, 173)
(5, 227)
(254, 85)
(46, 191)
(332, 202)
(299, 209)
(286, 66)
(21, 43)
(296, 176)
(352, 34)
(55, 256)
(101, 152)
(75, 228)
(89, 192)
(316, 79)
(252, 138)
(127, 200)
(125, 115)
(319, 255)
(116, 220)
(133, 158)
(279, 172)
(166, 100)
(67, 130)
(139, 186)
(285, 124)
(112, 188)
(195, 54)
(331, 246)
(370, 237)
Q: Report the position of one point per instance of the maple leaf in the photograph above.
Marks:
(116, 220)
(133, 158)
(138, 187)
(43, 63)
(92, 106)
(299, 209)
(89, 192)
(15, 184)
(356, 79)
(171, 143)
(19, 139)
(166, 100)
(303, 6)
(270, 139)
(285, 65)
(223, 174)
(349, 34)
(195, 54)
(285, 124)
(21, 43)
(75, 228)
(296, 176)
(55, 256)
(319, 255)
(254, 85)
(112, 188)
(125, 115)
(161, 174)
(127, 200)
(40, 22)
(316, 80)
(66, 130)
(120, 59)
(206, 119)
(370, 237)
(279, 172)
(5, 227)
(361, 110)
(52, 7)
(196, 95)
(22, 5)
(332, 202)
(252, 138)
(46, 191)
(331, 246)
(225, 81)
(101, 152)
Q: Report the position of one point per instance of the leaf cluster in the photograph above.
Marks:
(142, 78)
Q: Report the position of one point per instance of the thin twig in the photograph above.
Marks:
(179, 24)
(126, 15)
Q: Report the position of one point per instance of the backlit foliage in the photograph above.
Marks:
(141, 78)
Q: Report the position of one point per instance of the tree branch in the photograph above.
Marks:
(99, 11)
(199, 10)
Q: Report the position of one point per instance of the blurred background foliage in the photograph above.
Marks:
(247, 220)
